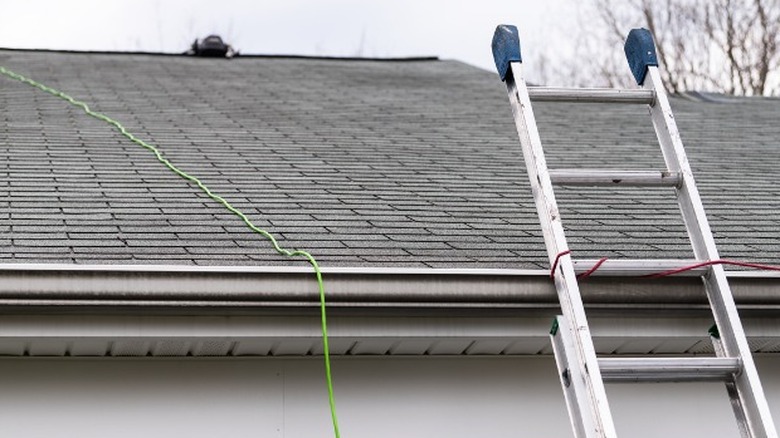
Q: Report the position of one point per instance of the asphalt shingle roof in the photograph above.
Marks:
(362, 163)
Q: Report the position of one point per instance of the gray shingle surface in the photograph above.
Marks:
(363, 163)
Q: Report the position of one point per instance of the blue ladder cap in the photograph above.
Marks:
(506, 48)
(640, 53)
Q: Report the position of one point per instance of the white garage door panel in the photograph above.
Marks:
(377, 397)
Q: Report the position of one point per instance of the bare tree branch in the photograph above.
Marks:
(729, 46)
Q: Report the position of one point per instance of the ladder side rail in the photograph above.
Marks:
(676, 160)
(725, 312)
(572, 381)
(731, 389)
(555, 240)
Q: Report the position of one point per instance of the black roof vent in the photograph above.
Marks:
(212, 47)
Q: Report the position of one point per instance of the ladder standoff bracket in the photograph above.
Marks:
(714, 332)
(506, 48)
(555, 327)
(640, 53)
(566, 378)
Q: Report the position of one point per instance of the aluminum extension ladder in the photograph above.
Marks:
(582, 374)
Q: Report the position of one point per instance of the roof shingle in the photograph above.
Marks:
(362, 163)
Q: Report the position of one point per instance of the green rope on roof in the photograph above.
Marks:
(219, 199)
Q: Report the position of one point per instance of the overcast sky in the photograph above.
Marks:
(449, 29)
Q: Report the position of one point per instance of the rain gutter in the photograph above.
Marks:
(39, 286)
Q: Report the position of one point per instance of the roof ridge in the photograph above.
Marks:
(241, 55)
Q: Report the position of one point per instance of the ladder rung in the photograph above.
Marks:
(636, 178)
(595, 95)
(673, 369)
(636, 268)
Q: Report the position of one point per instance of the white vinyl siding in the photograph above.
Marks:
(377, 397)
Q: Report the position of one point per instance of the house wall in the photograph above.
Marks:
(377, 397)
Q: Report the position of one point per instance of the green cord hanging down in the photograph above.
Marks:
(217, 198)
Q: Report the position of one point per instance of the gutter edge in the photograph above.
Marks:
(36, 286)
